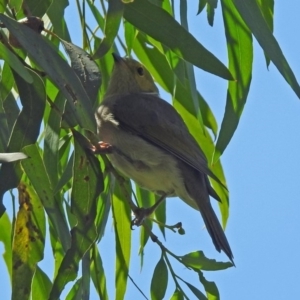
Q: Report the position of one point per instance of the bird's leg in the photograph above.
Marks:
(142, 213)
(102, 148)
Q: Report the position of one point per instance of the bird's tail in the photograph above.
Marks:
(215, 230)
(199, 189)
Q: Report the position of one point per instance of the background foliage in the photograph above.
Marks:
(56, 111)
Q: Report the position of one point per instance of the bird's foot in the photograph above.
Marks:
(102, 148)
(140, 215)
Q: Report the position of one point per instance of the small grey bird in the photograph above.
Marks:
(151, 144)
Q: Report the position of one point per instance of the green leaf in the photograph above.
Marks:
(7, 82)
(76, 290)
(66, 175)
(86, 276)
(5, 238)
(211, 6)
(38, 8)
(251, 13)
(191, 81)
(41, 285)
(267, 9)
(111, 28)
(103, 207)
(178, 295)
(195, 291)
(122, 225)
(56, 14)
(57, 69)
(240, 54)
(9, 157)
(85, 68)
(157, 23)
(129, 35)
(145, 199)
(87, 185)
(26, 128)
(159, 280)
(211, 289)
(98, 274)
(36, 172)
(160, 216)
(201, 6)
(51, 139)
(29, 241)
(197, 260)
(15, 63)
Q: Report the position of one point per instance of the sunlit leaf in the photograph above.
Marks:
(5, 238)
(41, 285)
(98, 274)
(212, 292)
(157, 23)
(112, 24)
(252, 15)
(240, 54)
(178, 295)
(122, 224)
(197, 260)
(87, 185)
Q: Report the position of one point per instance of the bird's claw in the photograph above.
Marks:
(140, 215)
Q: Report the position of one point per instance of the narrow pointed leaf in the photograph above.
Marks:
(159, 280)
(98, 274)
(195, 291)
(111, 28)
(15, 63)
(38, 8)
(51, 139)
(240, 55)
(26, 128)
(211, 289)
(57, 69)
(87, 185)
(157, 23)
(122, 225)
(6, 239)
(250, 12)
(36, 172)
(267, 9)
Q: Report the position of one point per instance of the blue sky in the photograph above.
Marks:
(262, 167)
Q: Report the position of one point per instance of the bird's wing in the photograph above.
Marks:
(156, 121)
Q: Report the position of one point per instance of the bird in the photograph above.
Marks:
(149, 143)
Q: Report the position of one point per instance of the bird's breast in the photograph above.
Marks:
(148, 165)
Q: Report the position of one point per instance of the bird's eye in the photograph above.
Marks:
(140, 71)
